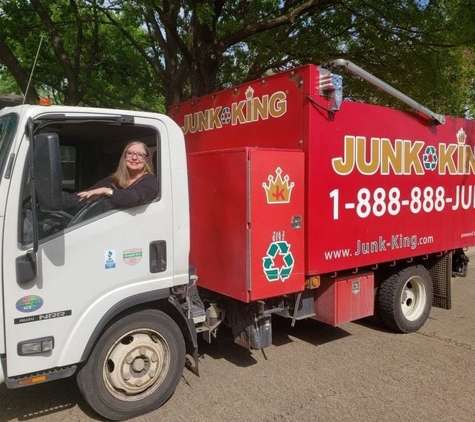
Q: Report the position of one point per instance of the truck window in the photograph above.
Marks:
(90, 152)
(7, 129)
(68, 167)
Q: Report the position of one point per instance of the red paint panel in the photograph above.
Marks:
(345, 299)
(276, 198)
(266, 113)
(381, 184)
(218, 215)
(386, 185)
(242, 203)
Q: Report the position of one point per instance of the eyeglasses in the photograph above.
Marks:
(140, 155)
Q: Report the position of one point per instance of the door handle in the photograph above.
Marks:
(158, 256)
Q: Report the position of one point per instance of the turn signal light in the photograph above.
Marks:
(313, 282)
(44, 101)
(32, 380)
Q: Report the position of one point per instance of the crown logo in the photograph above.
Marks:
(278, 190)
(249, 93)
(461, 136)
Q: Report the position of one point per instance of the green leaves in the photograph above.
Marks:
(151, 54)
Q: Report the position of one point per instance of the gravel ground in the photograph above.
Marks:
(312, 372)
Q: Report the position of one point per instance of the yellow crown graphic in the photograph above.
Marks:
(249, 93)
(461, 136)
(278, 190)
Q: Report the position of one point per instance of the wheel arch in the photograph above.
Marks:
(439, 267)
(158, 299)
(135, 366)
(404, 298)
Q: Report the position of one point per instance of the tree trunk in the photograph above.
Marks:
(18, 72)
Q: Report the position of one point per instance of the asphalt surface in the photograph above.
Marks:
(312, 372)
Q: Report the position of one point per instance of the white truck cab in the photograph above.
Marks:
(87, 282)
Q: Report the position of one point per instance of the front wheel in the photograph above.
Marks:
(134, 367)
(404, 299)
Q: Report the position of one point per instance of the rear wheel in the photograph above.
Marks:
(134, 367)
(404, 299)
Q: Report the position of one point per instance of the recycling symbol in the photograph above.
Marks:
(430, 158)
(225, 116)
(272, 272)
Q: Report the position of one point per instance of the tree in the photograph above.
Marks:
(153, 53)
(79, 62)
(187, 41)
(419, 47)
(53, 21)
(198, 46)
(10, 60)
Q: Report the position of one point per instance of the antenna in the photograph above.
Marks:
(33, 70)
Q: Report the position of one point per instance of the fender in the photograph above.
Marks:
(122, 306)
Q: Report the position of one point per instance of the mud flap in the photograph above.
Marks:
(191, 362)
(459, 263)
(440, 270)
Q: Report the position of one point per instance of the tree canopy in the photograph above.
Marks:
(153, 53)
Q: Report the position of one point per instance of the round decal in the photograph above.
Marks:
(29, 303)
(430, 158)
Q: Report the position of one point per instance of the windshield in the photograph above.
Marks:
(8, 125)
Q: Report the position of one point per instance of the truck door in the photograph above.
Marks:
(8, 124)
(88, 267)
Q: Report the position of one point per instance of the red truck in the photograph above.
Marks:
(311, 206)
(277, 198)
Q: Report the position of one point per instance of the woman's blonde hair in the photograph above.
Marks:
(120, 177)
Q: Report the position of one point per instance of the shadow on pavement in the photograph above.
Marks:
(43, 400)
(310, 331)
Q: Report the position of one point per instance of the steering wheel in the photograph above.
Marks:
(26, 204)
(91, 209)
(63, 214)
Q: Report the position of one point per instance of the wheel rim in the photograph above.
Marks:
(136, 365)
(413, 298)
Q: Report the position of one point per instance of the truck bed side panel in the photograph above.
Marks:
(386, 185)
(382, 184)
(247, 233)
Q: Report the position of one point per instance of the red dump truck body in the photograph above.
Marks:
(376, 184)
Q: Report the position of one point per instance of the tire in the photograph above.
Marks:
(404, 299)
(134, 367)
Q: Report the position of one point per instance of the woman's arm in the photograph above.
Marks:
(103, 187)
(143, 191)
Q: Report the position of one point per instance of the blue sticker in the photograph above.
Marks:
(29, 303)
(109, 259)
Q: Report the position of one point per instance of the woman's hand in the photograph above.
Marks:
(90, 195)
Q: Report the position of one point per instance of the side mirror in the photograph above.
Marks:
(48, 176)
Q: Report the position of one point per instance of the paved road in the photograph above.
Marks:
(312, 373)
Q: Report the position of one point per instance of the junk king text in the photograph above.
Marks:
(404, 157)
(250, 110)
(398, 241)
